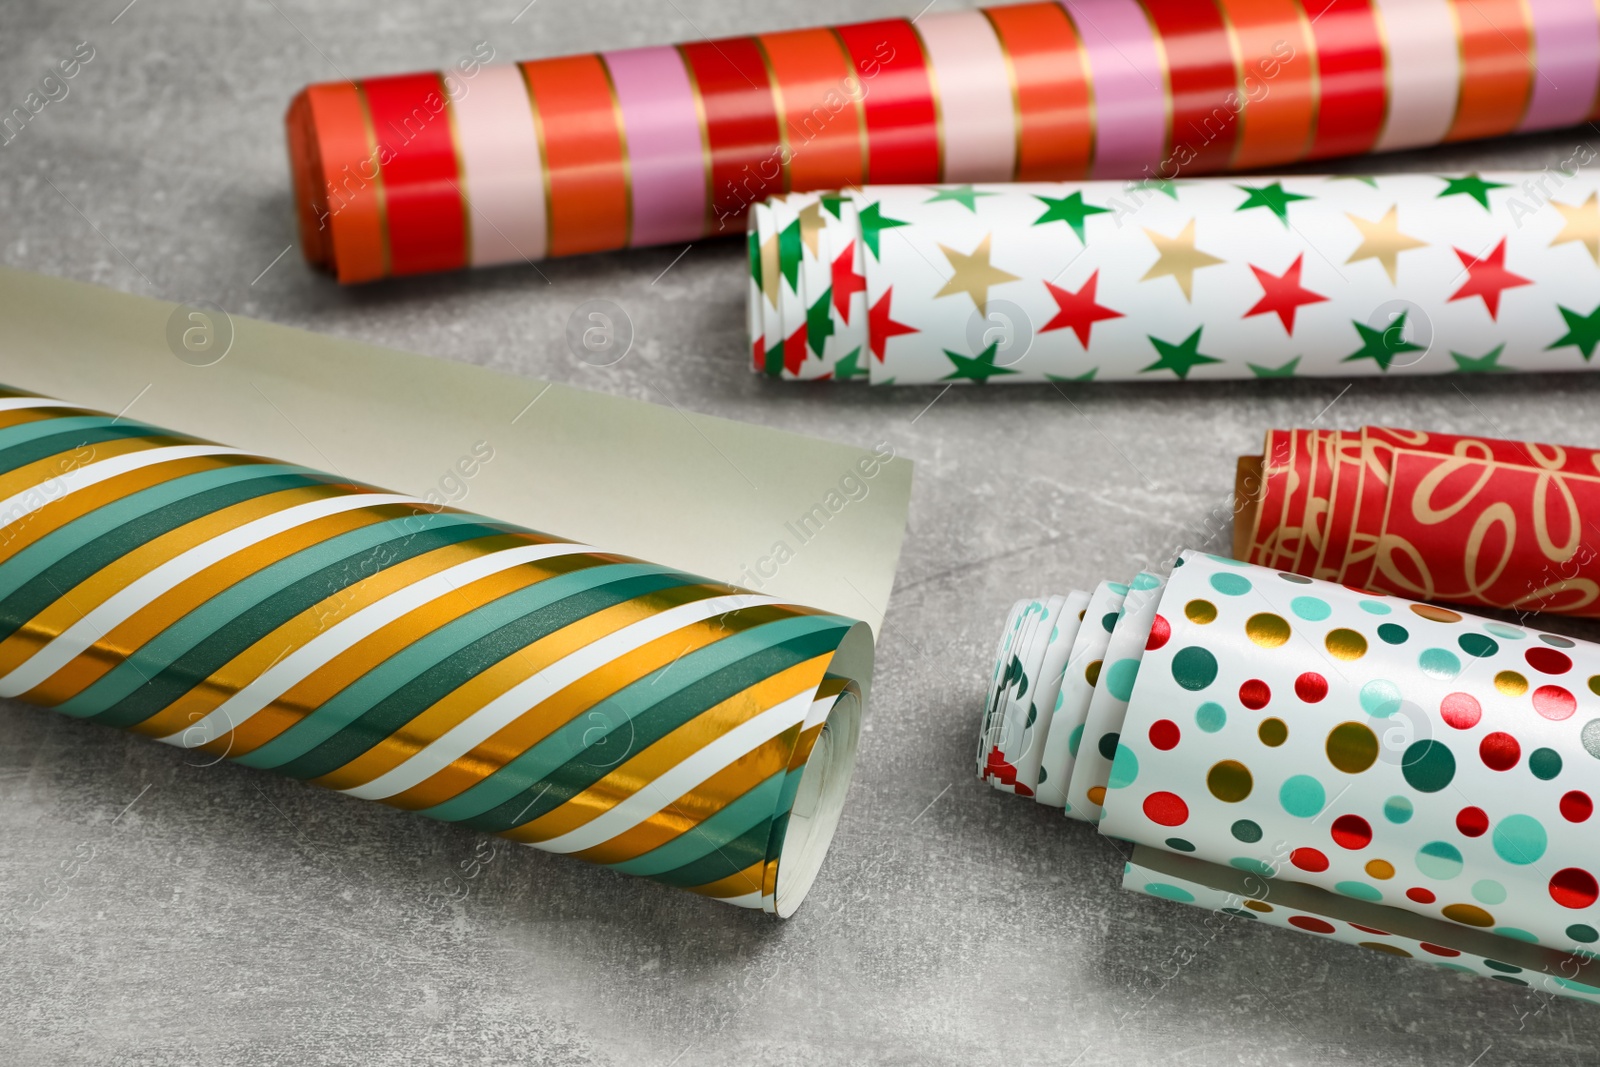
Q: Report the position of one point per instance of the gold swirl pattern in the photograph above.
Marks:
(1503, 524)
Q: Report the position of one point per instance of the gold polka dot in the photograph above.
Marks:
(1097, 794)
(1433, 614)
(1511, 683)
(1229, 781)
(1346, 644)
(1267, 630)
(1092, 672)
(1379, 946)
(1200, 611)
(1382, 870)
(1468, 915)
(1258, 905)
(1352, 747)
(1273, 732)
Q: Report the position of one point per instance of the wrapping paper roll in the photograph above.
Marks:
(484, 163)
(1502, 524)
(1315, 756)
(1157, 281)
(399, 650)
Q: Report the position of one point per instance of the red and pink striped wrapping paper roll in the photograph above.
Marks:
(483, 164)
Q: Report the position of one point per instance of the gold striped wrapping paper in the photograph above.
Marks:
(475, 671)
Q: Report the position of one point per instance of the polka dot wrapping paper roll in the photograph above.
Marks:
(475, 671)
(1349, 764)
(1500, 524)
(1265, 277)
(487, 162)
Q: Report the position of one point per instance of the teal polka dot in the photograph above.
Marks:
(1211, 716)
(1194, 668)
(1520, 839)
(1477, 645)
(1247, 831)
(1108, 745)
(1061, 696)
(1310, 608)
(1398, 810)
(1239, 913)
(1302, 796)
(1359, 890)
(1428, 766)
(1545, 763)
(1502, 630)
(1146, 581)
(1169, 892)
(1108, 621)
(1391, 633)
(1124, 769)
(1044, 775)
(1583, 933)
(1439, 859)
(1439, 663)
(1230, 584)
(1178, 844)
(1505, 968)
(1380, 698)
(1224, 560)
(1488, 891)
(1075, 740)
(1515, 934)
(1119, 678)
(1253, 866)
(1375, 607)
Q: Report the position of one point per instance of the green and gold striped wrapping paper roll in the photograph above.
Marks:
(632, 715)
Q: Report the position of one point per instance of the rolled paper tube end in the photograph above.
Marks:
(818, 803)
(309, 183)
(1246, 503)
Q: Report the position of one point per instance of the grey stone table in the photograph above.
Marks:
(157, 912)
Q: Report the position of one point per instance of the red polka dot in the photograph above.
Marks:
(1461, 710)
(1352, 832)
(1473, 822)
(1309, 922)
(1255, 694)
(1548, 660)
(1421, 895)
(1309, 859)
(1574, 888)
(1168, 809)
(1554, 702)
(1576, 806)
(1439, 950)
(1500, 751)
(1371, 930)
(1160, 633)
(1311, 687)
(1164, 734)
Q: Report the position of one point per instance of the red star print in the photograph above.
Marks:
(1488, 278)
(1078, 311)
(794, 351)
(846, 282)
(1283, 295)
(880, 327)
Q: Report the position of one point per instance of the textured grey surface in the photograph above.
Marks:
(157, 911)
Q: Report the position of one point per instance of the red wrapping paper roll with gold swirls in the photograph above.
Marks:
(482, 164)
(1501, 524)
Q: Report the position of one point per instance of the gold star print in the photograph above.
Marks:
(1383, 241)
(771, 276)
(973, 275)
(811, 226)
(1583, 225)
(1179, 259)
